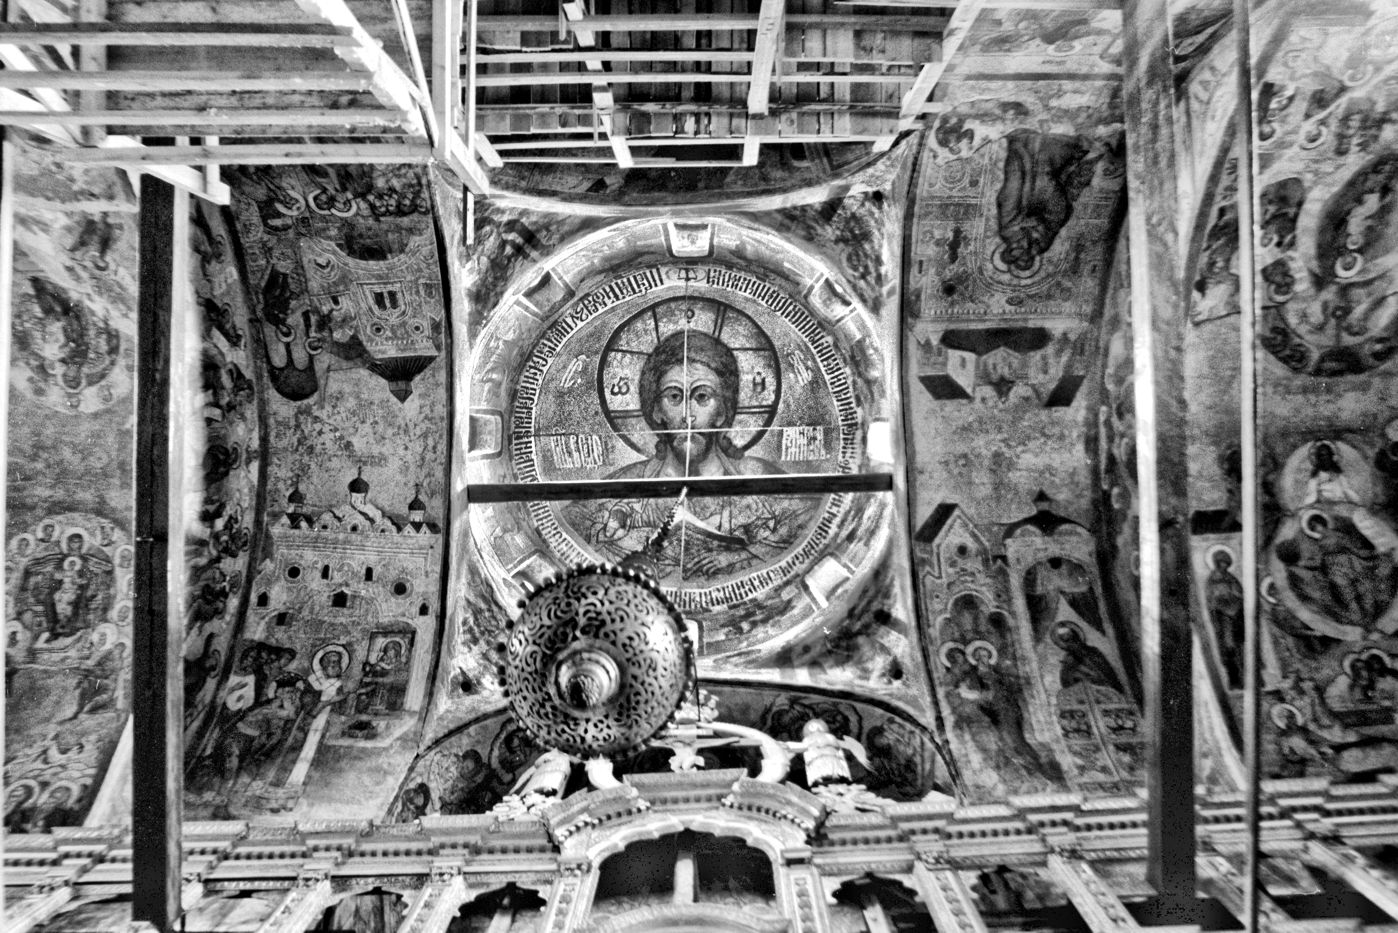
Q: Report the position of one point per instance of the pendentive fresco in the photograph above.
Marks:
(708, 347)
(1327, 400)
(314, 709)
(68, 555)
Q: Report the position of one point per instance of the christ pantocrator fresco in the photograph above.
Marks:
(686, 371)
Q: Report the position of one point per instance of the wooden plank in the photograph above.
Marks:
(1159, 304)
(532, 144)
(791, 484)
(387, 82)
(463, 162)
(92, 58)
(602, 101)
(961, 22)
(995, 4)
(771, 32)
(469, 94)
(253, 154)
(931, 23)
(752, 149)
(680, 77)
(581, 56)
(18, 63)
(157, 689)
(171, 81)
(179, 176)
(408, 39)
(485, 150)
(446, 72)
(209, 118)
(641, 106)
(265, 35)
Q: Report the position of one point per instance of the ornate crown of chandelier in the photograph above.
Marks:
(599, 659)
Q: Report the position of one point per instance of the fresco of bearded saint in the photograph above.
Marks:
(689, 398)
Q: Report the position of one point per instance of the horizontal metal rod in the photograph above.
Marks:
(187, 81)
(801, 484)
(265, 35)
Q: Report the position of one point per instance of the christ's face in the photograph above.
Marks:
(690, 401)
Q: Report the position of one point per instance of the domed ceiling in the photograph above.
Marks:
(898, 390)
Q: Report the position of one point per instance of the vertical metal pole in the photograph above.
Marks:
(1247, 390)
(156, 770)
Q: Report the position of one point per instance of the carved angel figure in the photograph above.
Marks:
(824, 754)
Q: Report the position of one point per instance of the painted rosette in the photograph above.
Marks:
(597, 662)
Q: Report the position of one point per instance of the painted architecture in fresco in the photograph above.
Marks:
(334, 657)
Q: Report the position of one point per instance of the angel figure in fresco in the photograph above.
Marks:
(1330, 565)
(385, 680)
(1000, 699)
(1369, 680)
(1044, 174)
(250, 738)
(1296, 752)
(984, 702)
(1329, 484)
(99, 681)
(70, 588)
(1335, 557)
(1224, 597)
(1057, 588)
(1082, 663)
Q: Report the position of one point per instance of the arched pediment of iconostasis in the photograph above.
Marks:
(563, 385)
(472, 767)
(313, 705)
(1019, 192)
(1327, 258)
